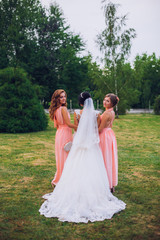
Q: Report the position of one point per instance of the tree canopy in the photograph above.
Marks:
(115, 43)
(40, 41)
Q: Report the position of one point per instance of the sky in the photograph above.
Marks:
(86, 18)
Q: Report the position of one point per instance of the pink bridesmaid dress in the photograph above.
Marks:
(108, 145)
(63, 136)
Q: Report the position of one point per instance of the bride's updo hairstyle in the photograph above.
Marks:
(82, 97)
(114, 99)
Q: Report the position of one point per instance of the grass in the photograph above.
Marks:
(28, 166)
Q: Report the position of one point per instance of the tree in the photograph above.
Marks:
(39, 41)
(57, 54)
(115, 41)
(46, 48)
(20, 109)
(17, 30)
(147, 79)
(157, 105)
(128, 94)
(95, 75)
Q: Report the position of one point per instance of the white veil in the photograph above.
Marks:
(87, 132)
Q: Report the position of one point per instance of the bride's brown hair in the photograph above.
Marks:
(55, 102)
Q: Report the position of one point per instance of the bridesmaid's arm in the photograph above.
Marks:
(104, 122)
(66, 118)
(75, 119)
(98, 120)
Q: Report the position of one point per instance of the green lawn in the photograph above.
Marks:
(28, 166)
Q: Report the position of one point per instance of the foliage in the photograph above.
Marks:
(82, 79)
(137, 86)
(17, 30)
(94, 74)
(147, 79)
(39, 41)
(57, 57)
(20, 110)
(157, 105)
(28, 166)
(127, 92)
(115, 43)
(75, 78)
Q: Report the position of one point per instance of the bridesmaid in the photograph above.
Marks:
(61, 117)
(108, 143)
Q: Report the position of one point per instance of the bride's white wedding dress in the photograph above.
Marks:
(83, 193)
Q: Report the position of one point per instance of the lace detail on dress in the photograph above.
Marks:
(78, 113)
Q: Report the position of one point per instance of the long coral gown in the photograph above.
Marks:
(63, 136)
(108, 145)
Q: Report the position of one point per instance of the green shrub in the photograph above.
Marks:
(20, 109)
(157, 105)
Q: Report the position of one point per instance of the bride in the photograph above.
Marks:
(82, 193)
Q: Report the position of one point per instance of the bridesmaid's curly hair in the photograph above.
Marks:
(55, 102)
(114, 99)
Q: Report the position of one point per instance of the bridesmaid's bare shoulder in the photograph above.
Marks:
(106, 115)
(63, 108)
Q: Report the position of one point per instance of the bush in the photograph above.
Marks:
(157, 105)
(20, 109)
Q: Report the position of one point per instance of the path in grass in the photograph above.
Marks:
(28, 166)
